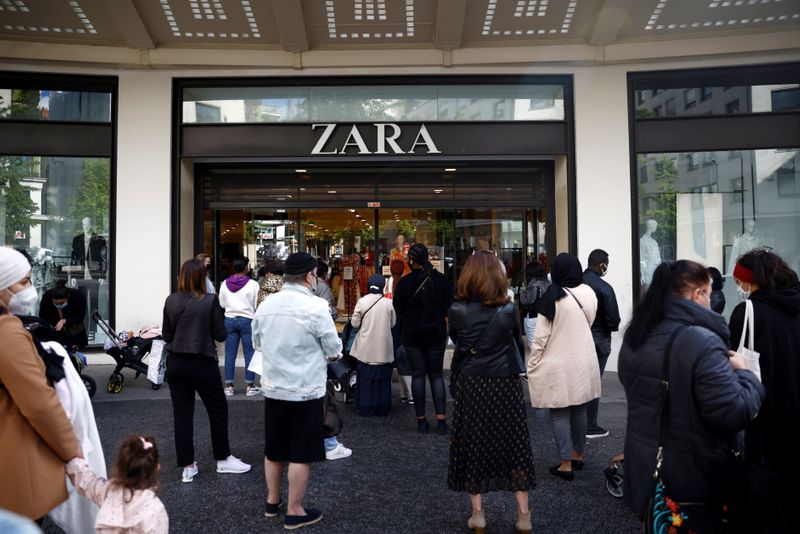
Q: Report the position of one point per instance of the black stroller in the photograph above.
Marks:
(615, 475)
(342, 373)
(42, 331)
(126, 351)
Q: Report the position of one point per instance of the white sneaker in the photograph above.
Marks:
(229, 391)
(190, 472)
(253, 390)
(338, 452)
(232, 465)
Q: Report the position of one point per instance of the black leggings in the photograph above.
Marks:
(427, 361)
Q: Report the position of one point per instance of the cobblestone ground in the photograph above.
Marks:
(395, 482)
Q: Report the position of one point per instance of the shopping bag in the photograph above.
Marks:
(751, 357)
(256, 363)
(157, 362)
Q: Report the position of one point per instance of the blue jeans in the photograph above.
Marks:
(238, 328)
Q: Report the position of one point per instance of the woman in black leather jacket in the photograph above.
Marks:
(490, 446)
(711, 396)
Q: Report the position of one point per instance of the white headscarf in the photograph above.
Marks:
(13, 267)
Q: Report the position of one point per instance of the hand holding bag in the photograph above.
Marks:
(751, 357)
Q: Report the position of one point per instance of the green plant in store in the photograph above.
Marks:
(407, 228)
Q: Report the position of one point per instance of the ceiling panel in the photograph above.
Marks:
(86, 21)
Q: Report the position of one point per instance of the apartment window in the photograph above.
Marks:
(690, 97)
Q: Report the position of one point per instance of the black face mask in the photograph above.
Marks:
(208, 267)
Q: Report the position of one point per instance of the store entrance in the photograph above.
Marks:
(360, 223)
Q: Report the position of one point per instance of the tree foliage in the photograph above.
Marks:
(16, 205)
(93, 196)
(663, 205)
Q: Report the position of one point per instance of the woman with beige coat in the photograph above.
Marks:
(36, 438)
(562, 369)
(374, 316)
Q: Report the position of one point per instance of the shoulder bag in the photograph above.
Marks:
(472, 351)
(352, 331)
(751, 357)
(663, 513)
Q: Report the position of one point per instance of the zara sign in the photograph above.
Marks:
(386, 138)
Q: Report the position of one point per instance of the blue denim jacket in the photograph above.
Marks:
(294, 331)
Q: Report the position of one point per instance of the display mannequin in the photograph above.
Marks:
(649, 252)
(89, 260)
(744, 243)
(400, 252)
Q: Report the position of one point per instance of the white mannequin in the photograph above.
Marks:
(649, 252)
(744, 243)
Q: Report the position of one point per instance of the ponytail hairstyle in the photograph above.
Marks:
(769, 270)
(670, 280)
(137, 464)
(60, 291)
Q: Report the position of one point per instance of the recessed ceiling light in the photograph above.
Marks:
(450, 169)
(300, 170)
(351, 210)
(437, 191)
(332, 192)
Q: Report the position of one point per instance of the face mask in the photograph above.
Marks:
(24, 302)
(208, 267)
(60, 306)
(314, 283)
(744, 295)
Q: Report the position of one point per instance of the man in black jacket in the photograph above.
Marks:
(606, 321)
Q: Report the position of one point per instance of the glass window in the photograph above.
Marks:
(57, 210)
(718, 100)
(373, 103)
(36, 104)
(715, 211)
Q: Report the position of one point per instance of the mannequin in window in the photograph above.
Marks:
(649, 252)
(90, 253)
(400, 252)
(744, 243)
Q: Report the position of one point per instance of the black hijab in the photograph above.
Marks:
(566, 272)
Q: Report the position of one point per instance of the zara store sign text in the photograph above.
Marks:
(387, 137)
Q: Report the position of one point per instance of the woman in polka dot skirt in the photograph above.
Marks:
(490, 446)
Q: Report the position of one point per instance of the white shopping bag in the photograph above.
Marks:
(256, 363)
(157, 362)
(751, 357)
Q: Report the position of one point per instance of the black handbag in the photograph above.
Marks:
(472, 352)
(665, 514)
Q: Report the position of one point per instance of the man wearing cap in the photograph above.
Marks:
(294, 331)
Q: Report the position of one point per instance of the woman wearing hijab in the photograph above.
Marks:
(36, 437)
(562, 369)
(374, 317)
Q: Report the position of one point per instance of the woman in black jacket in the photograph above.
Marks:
(490, 446)
(421, 300)
(64, 309)
(772, 439)
(711, 396)
(193, 320)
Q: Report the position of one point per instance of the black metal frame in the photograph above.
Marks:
(179, 84)
(68, 139)
(705, 133)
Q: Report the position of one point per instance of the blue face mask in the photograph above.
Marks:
(60, 306)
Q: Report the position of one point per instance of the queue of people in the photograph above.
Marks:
(721, 441)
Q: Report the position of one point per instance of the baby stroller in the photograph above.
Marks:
(42, 331)
(615, 475)
(342, 373)
(127, 351)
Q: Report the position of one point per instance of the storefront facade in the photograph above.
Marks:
(237, 162)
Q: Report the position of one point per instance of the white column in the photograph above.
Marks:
(143, 198)
(603, 179)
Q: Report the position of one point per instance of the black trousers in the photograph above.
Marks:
(427, 361)
(187, 374)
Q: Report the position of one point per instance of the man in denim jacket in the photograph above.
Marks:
(294, 331)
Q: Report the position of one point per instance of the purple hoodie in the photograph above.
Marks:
(236, 282)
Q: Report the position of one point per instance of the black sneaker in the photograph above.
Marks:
(596, 432)
(441, 427)
(291, 522)
(271, 510)
(423, 426)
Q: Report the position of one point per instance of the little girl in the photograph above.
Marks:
(127, 502)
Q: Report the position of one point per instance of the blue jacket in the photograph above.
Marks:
(709, 403)
(296, 334)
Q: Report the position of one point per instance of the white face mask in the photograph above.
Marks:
(744, 295)
(24, 302)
